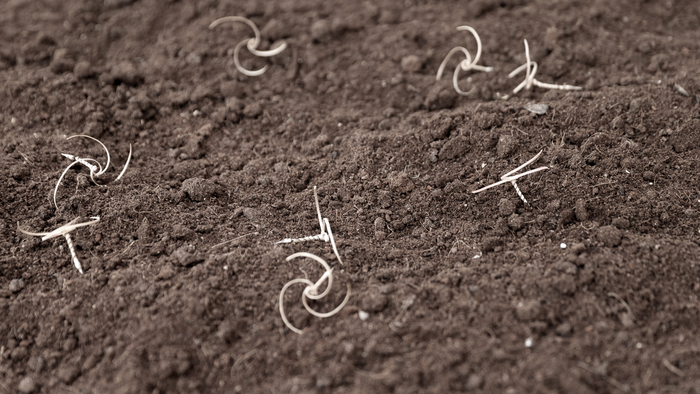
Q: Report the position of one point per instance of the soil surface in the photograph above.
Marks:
(592, 287)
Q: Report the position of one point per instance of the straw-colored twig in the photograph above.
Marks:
(509, 177)
(64, 231)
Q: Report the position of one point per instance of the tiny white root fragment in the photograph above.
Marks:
(311, 291)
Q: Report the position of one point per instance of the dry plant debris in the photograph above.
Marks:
(323, 236)
(251, 43)
(95, 169)
(311, 291)
(508, 177)
(65, 231)
(530, 68)
(466, 64)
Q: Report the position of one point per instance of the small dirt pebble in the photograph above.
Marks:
(16, 285)
(506, 145)
(648, 176)
(528, 310)
(411, 64)
(62, 65)
(320, 30)
(454, 147)
(253, 110)
(581, 210)
(566, 285)
(609, 236)
(126, 72)
(68, 374)
(491, 243)
(182, 232)
(578, 248)
(515, 222)
(199, 189)
(474, 382)
(563, 330)
(621, 223)
(440, 97)
(506, 207)
(374, 302)
(400, 182)
(19, 353)
(27, 385)
(626, 319)
(20, 172)
(83, 70)
(565, 267)
(567, 216)
(185, 257)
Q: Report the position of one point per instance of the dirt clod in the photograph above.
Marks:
(182, 280)
(27, 385)
(581, 210)
(528, 310)
(454, 147)
(411, 63)
(16, 285)
(506, 207)
(399, 181)
(199, 189)
(610, 236)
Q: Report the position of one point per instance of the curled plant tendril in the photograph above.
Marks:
(311, 291)
(250, 43)
(95, 169)
(530, 68)
(466, 64)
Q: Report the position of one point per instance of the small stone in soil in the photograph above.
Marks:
(528, 310)
(563, 330)
(411, 63)
(27, 385)
(16, 285)
(609, 236)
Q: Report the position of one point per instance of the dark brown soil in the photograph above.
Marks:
(455, 285)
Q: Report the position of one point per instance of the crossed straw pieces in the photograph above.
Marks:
(250, 43)
(311, 290)
(467, 64)
(510, 177)
(96, 170)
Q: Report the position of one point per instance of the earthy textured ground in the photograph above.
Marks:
(453, 283)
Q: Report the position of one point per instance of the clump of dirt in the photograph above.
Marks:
(592, 286)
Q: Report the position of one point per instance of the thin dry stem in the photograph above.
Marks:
(64, 231)
(326, 234)
(508, 177)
